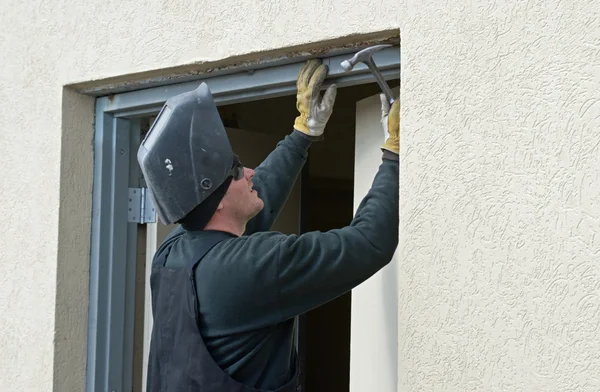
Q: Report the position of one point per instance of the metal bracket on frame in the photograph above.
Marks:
(140, 207)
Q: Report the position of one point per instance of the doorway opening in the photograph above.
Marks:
(321, 200)
(119, 313)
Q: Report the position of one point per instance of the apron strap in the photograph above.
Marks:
(208, 240)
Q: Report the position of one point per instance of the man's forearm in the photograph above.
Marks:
(316, 267)
(276, 176)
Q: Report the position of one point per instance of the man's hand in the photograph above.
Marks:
(390, 120)
(314, 111)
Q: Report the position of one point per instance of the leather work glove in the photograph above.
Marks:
(314, 110)
(390, 120)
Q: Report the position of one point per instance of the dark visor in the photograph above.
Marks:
(237, 169)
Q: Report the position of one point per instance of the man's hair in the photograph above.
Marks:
(199, 217)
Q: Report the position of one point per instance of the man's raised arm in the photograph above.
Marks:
(275, 177)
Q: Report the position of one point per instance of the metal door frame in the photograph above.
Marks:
(113, 239)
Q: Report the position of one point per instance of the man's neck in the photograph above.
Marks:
(227, 226)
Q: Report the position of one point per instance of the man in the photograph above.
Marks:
(225, 290)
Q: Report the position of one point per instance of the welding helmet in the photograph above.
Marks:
(186, 154)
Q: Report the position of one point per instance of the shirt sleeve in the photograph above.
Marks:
(275, 177)
(316, 267)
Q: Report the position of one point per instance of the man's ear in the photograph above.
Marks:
(220, 206)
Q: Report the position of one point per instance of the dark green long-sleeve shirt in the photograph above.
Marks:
(251, 288)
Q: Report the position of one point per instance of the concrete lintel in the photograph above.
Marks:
(248, 61)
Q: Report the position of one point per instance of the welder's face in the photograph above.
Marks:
(241, 200)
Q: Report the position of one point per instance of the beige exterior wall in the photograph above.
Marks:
(498, 273)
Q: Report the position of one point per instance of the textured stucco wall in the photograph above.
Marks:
(499, 275)
(46, 134)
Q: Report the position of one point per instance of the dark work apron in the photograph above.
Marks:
(179, 360)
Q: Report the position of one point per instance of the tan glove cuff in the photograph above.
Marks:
(392, 144)
(393, 126)
(300, 124)
(309, 136)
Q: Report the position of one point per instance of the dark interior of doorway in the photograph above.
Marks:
(326, 203)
